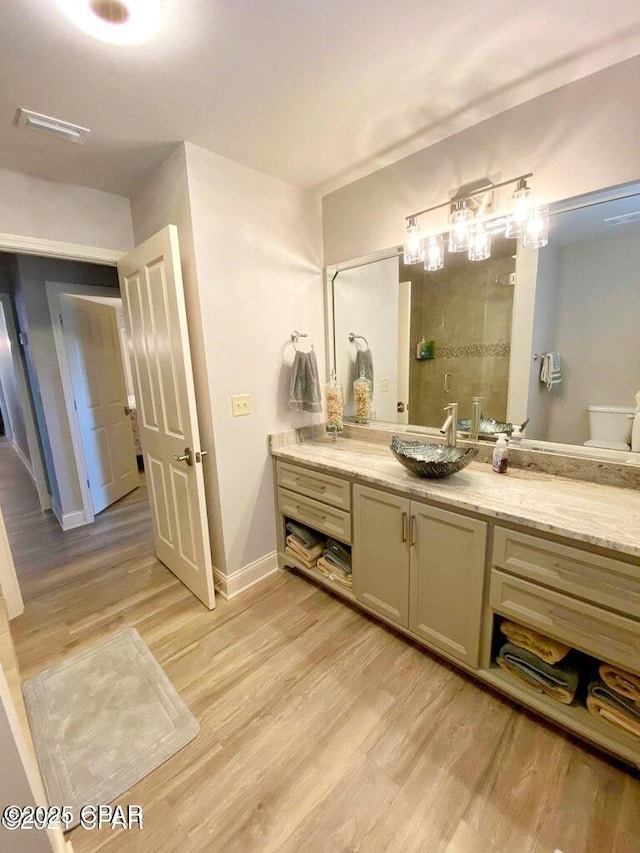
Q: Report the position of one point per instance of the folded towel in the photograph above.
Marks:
(310, 554)
(334, 573)
(551, 651)
(308, 564)
(335, 560)
(364, 365)
(558, 682)
(625, 683)
(339, 550)
(607, 704)
(306, 535)
(304, 394)
(551, 370)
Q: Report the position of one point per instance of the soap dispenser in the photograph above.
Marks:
(501, 454)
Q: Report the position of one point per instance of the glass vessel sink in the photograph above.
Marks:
(431, 460)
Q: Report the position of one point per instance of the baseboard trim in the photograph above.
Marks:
(72, 519)
(231, 585)
(23, 459)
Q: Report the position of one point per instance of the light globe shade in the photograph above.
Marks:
(123, 22)
(460, 223)
(479, 244)
(536, 232)
(413, 244)
(521, 206)
(434, 253)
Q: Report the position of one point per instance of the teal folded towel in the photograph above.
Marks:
(309, 538)
(600, 690)
(560, 682)
(339, 550)
(336, 561)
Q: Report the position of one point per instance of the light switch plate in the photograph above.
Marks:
(240, 405)
(385, 383)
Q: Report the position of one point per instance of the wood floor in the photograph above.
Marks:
(321, 730)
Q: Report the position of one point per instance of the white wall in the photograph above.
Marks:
(259, 262)
(13, 405)
(164, 200)
(576, 139)
(366, 302)
(597, 330)
(252, 269)
(48, 210)
(42, 365)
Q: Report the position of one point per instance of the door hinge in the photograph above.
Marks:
(75, 406)
(61, 323)
(88, 483)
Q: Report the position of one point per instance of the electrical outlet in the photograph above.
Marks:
(240, 405)
(385, 384)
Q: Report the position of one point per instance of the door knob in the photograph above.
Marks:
(200, 454)
(400, 407)
(127, 410)
(186, 457)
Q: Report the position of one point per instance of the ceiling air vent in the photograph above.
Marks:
(623, 219)
(53, 126)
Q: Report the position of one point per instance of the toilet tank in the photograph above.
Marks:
(610, 424)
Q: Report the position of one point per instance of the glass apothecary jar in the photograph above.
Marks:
(334, 405)
(362, 394)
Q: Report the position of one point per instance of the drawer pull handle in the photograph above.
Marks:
(303, 509)
(404, 526)
(414, 530)
(310, 484)
(618, 587)
(587, 627)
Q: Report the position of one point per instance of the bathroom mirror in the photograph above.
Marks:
(481, 328)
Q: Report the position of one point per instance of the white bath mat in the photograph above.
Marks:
(103, 719)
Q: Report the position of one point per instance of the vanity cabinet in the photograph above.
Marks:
(422, 568)
(381, 553)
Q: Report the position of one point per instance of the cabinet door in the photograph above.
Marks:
(381, 553)
(447, 580)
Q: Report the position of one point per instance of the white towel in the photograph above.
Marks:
(551, 370)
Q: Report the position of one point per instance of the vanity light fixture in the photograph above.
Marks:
(471, 226)
(123, 22)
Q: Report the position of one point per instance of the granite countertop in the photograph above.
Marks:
(604, 516)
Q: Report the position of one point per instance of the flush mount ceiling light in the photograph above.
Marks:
(122, 22)
(471, 225)
(53, 126)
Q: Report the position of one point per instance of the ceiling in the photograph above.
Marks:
(315, 92)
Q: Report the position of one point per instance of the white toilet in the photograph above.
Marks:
(610, 427)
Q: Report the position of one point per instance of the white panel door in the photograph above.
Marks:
(95, 363)
(153, 297)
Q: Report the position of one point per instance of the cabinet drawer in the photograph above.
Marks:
(333, 522)
(322, 487)
(601, 580)
(591, 629)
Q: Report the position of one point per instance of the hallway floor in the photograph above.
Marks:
(321, 730)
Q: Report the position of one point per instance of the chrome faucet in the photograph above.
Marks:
(450, 426)
(476, 415)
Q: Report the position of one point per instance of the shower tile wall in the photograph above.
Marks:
(466, 309)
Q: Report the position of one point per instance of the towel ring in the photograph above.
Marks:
(294, 339)
(353, 338)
